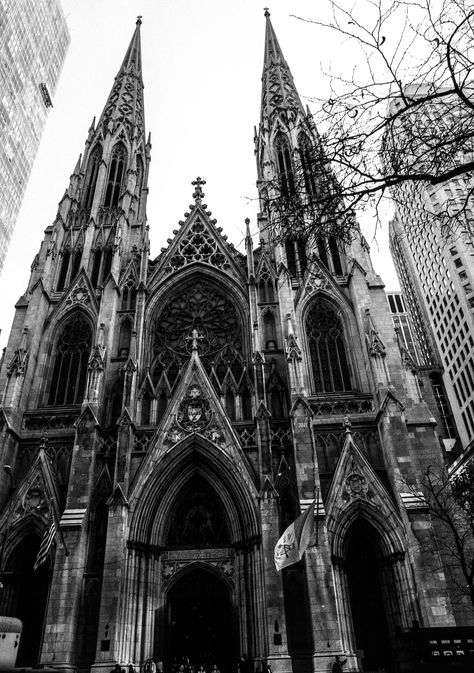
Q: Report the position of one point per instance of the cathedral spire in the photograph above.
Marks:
(279, 94)
(125, 103)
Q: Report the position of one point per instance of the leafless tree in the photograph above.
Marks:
(450, 503)
(401, 119)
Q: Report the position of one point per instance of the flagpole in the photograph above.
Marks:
(57, 525)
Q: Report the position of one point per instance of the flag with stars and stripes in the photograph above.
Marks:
(46, 542)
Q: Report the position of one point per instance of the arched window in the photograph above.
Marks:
(307, 164)
(322, 252)
(101, 265)
(162, 404)
(265, 287)
(285, 168)
(303, 259)
(269, 330)
(230, 404)
(290, 257)
(276, 402)
(91, 178)
(328, 353)
(146, 408)
(335, 256)
(115, 177)
(76, 262)
(246, 403)
(129, 296)
(66, 255)
(70, 264)
(125, 336)
(71, 355)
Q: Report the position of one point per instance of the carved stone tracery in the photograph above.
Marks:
(198, 246)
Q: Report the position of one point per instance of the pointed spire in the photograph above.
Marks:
(279, 94)
(125, 103)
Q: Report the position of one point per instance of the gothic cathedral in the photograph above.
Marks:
(178, 413)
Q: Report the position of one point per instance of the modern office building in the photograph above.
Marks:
(34, 39)
(402, 323)
(435, 266)
(195, 404)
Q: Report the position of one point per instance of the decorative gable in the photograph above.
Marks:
(356, 490)
(200, 241)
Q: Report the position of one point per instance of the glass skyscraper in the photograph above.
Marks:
(34, 39)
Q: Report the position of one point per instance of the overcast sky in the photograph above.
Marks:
(202, 66)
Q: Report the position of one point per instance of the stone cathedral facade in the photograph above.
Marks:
(180, 412)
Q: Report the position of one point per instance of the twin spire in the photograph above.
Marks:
(279, 94)
(125, 102)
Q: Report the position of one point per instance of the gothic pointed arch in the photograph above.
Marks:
(92, 173)
(305, 151)
(357, 492)
(328, 350)
(116, 175)
(284, 165)
(153, 502)
(68, 360)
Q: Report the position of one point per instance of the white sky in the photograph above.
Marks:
(202, 64)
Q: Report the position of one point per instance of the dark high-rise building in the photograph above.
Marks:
(33, 43)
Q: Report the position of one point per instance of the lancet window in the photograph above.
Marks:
(266, 292)
(296, 258)
(91, 176)
(129, 296)
(307, 165)
(69, 368)
(285, 167)
(125, 336)
(70, 263)
(101, 265)
(329, 362)
(329, 254)
(116, 176)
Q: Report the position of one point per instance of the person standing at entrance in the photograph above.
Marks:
(338, 664)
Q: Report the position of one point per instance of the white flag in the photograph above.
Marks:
(295, 540)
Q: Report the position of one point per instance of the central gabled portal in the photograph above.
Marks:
(199, 629)
(199, 624)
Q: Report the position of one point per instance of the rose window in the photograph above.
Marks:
(198, 307)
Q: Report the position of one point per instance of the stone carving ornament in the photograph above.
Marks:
(355, 486)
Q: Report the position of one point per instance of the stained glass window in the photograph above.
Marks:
(71, 356)
(327, 349)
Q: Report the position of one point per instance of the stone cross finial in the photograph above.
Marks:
(139, 20)
(266, 11)
(194, 338)
(198, 194)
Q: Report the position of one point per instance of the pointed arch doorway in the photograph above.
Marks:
(25, 594)
(368, 592)
(199, 624)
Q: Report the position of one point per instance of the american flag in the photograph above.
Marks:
(46, 542)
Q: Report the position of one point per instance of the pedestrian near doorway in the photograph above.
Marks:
(338, 664)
